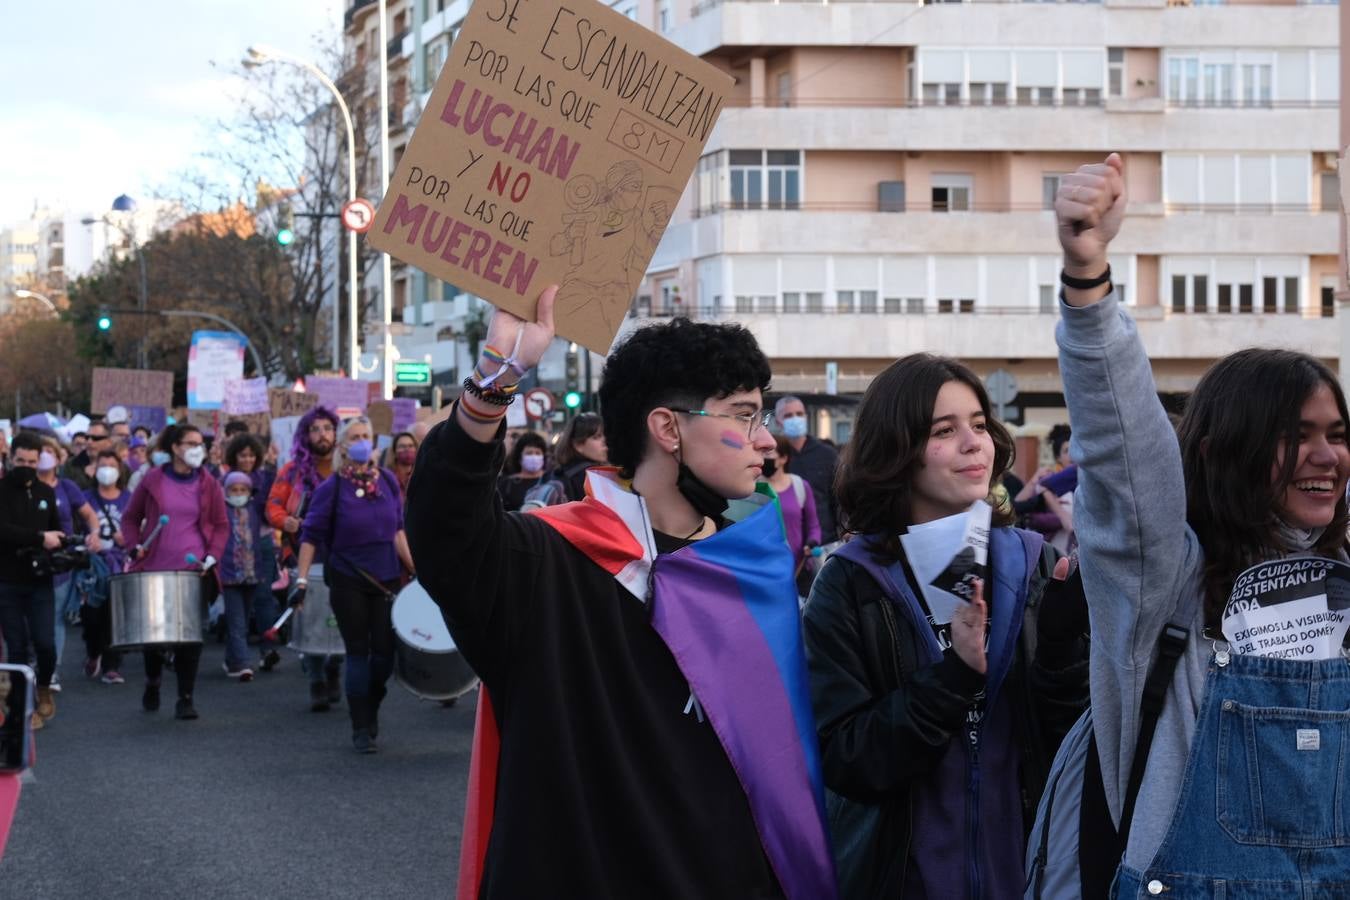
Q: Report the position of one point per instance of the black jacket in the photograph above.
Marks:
(606, 786)
(25, 512)
(885, 722)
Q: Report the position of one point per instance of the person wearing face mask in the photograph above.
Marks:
(197, 529)
(799, 506)
(524, 469)
(404, 456)
(640, 649)
(28, 522)
(160, 452)
(109, 503)
(312, 451)
(812, 459)
(357, 516)
(246, 572)
(74, 510)
(244, 455)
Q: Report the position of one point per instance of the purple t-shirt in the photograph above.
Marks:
(180, 500)
(69, 498)
(362, 528)
(802, 525)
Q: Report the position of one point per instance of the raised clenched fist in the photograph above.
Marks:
(1089, 207)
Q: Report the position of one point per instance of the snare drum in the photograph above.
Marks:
(427, 662)
(153, 608)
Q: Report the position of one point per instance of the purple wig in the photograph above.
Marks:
(304, 473)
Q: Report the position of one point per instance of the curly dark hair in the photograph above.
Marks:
(530, 439)
(237, 445)
(874, 483)
(677, 363)
(1244, 407)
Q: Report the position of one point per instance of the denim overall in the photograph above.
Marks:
(1264, 810)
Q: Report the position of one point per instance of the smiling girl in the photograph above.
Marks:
(935, 728)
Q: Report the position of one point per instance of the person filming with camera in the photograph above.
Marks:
(29, 524)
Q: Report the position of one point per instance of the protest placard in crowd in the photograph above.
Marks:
(216, 357)
(129, 387)
(283, 402)
(246, 395)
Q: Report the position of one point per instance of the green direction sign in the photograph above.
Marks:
(411, 372)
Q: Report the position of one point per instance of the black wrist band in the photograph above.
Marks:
(1085, 284)
(495, 398)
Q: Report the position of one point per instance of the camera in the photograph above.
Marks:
(71, 555)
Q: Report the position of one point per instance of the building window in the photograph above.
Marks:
(907, 305)
(664, 20)
(784, 88)
(951, 193)
(1218, 84)
(844, 301)
(1270, 301)
(1035, 96)
(1328, 301)
(1291, 296)
(1115, 71)
(707, 176)
(1331, 191)
(766, 304)
(792, 302)
(1049, 188)
(1225, 298)
(988, 93)
(1190, 293)
(1245, 293)
(956, 306)
(753, 179)
(1200, 293)
(942, 93)
(815, 301)
(1256, 85)
(1049, 300)
(745, 304)
(867, 302)
(1082, 96)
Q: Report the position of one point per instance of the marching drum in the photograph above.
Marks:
(427, 662)
(314, 628)
(156, 608)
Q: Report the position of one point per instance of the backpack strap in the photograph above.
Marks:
(799, 491)
(1171, 644)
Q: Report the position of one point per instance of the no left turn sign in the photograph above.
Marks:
(358, 215)
(539, 403)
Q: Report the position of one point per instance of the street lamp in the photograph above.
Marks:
(124, 204)
(34, 295)
(258, 55)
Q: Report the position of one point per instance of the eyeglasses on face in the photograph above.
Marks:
(753, 421)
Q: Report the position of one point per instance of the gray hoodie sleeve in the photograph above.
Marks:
(1137, 552)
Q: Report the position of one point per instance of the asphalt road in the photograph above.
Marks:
(257, 798)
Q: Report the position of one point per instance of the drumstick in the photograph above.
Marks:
(154, 533)
(271, 633)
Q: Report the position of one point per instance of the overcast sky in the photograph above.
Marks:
(99, 97)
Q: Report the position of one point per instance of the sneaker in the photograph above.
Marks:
(56, 683)
(362, 742)
(243, 673)
(92, 667)
(150, 699)
(270, 660)
(46, 703)
(112, 677)
(185, 709)
(318, 697)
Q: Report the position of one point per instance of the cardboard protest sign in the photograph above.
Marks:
(553, 150)
(130, 387)
(215, 358)
(246, 395)
(1290, 608)
(205, 419)
(947, 555)
(258, 424)
(381, 416)
(344, 396)
(282, 402)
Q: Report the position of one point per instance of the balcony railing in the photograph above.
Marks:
(960, 308)
(1253, 104)
(352, 9)
(922, 206)
(906, 103)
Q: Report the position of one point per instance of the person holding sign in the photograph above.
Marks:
(649, 727)
(938, 713)
(1240, 789)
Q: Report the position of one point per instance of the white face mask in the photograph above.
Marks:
(532, 462)
(237, 500)
(107, 475)
(46, 462)
(194, 456)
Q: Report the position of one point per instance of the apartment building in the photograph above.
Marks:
(880, 181)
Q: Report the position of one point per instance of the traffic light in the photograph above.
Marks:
(104, 321)
(573, 370)
(285, 225)
(572, 399)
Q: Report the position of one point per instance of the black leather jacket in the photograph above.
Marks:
(884, 721)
